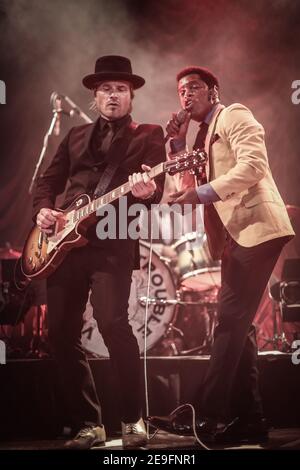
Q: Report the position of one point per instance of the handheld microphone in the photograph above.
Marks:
(181, 117)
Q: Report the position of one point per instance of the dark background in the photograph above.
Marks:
(50, 45)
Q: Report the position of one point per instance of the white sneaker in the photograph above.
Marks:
(134, 434)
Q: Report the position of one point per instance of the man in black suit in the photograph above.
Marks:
(104, 266)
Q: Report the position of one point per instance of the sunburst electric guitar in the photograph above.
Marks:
(43, 253)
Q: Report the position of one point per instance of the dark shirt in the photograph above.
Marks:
(100, 132)
(100, 163)
(79, 164)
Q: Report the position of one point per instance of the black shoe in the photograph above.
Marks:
(87, 438)
(164, 423)
(254, 431)
(205, 428)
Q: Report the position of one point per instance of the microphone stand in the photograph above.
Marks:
(49, 132)
(76, 109)
(43, 152)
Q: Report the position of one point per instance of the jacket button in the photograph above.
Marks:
(95, 169)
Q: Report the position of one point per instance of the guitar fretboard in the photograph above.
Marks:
(113, 195)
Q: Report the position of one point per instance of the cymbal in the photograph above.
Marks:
(9, 253)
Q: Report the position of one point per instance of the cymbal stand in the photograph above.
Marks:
(38, 344)
(278, 340)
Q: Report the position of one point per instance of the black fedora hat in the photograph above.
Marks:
(112, 67)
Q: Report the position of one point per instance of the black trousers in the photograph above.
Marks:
(109, 279)
(230, 387)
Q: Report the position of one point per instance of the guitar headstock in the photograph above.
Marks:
(186, 161)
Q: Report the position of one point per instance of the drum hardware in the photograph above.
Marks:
(278, 340)
(285, 296)
(204, 349)
(173, 340)
(155, 301)
(289, 291)
(39, 347)
(286, 330)
(201, 342)
(35, 322)
(192, 327)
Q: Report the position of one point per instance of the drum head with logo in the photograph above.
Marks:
(159, 316)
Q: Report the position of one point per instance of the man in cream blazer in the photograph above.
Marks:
(247, 225)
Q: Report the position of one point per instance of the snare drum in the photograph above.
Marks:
(159, 316)
(197, 270)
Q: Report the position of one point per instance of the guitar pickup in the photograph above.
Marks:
(40, 240)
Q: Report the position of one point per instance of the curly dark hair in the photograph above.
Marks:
(206, 75)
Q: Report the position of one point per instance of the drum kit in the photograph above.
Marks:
(182, 301)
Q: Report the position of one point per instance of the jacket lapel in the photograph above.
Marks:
(87, 137)
(209, 136)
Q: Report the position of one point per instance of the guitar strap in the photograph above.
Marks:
(113, 164)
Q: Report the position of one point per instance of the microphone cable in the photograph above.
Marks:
(145, 365)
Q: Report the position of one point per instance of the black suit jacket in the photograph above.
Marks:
(75, 165)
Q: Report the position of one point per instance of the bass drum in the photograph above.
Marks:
(159, 316)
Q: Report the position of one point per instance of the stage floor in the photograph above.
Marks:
(32, 412)
(279, 439)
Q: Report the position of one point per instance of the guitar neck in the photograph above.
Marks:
(113, 195)
(125, 188)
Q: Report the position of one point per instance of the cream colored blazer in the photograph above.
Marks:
(250, 207)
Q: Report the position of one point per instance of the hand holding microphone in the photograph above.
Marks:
(177, 126)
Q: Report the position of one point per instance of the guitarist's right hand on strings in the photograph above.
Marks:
(46, 218)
